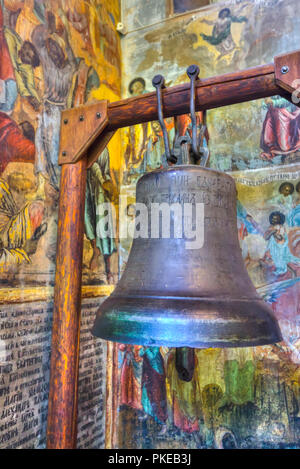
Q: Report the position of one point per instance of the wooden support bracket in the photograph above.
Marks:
(87, 129)
(80, 128)
(287, 71)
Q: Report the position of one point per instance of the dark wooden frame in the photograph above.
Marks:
(79, 148)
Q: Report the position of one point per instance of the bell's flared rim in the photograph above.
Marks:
(197, 323)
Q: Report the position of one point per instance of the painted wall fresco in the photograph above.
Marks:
(221, 39)
(55, 55)
(238, 398)
(138, 14)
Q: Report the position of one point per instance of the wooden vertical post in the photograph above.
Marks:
(62, 410)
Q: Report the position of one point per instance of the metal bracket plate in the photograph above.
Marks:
(80, 127)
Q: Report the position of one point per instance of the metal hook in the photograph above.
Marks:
(199, 152)
(181, 145)
(159, 82)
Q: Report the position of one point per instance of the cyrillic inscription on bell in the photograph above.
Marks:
(185, 283)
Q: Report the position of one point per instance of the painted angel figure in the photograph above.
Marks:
(221, 34)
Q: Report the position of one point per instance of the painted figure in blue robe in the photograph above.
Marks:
(278, 245)
(154, 395)
(244, 217)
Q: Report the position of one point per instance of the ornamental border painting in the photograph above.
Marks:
(55, 55)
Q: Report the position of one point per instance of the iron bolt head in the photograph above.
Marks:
(285, 69)
(98, 115)
(193, 70)
(158, 80)
(81, 118)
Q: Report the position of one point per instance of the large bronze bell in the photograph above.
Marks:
(177, 296)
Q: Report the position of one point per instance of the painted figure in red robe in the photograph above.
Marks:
(281, 129)
(15, 146)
